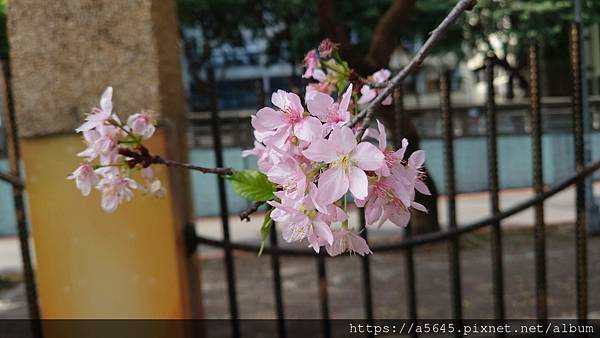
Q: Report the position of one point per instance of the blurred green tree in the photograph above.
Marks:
(369, 31)
(3, 36)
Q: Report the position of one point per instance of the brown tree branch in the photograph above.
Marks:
(414, 63)
(245, 215)
(140, 155)
(189, 166)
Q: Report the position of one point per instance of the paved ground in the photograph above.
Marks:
(299, 274)
(345, 283)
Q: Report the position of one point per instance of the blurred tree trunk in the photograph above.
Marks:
(385, 39)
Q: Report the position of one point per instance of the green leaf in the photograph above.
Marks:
(253, 185)
(265, 230)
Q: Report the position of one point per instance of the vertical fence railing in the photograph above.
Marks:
(277, 289)
(492, 159)
(538, 182)
(409, 260)
(366, 274)
(580, 221)
(453, 244)
(275, 259)
(453, 241)
(14, 154)
(224, 210)
(323, 296)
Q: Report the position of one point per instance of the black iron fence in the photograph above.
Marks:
(452, 235)
(468, 120)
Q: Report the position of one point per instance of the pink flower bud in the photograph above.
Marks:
(326, 47)
(142, 124)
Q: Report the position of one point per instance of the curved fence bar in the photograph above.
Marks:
(15, 181)
(425, 238)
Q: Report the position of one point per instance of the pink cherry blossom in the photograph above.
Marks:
(116, 190)
(345, 240)
(368, 93)
(311, 61)
(156, 189)
(384, 204)
(321, 87)
(99, 116)
(333, 114)
(142, 124)
(325, 84)
(347, 161)
(290, 176)
(392, 158)
(153, 186)
(85, 178)
(278, 126)
(103, 142)
(412, 174)
(109, 142)
(265, 160)
(300, 220)
(90, 137)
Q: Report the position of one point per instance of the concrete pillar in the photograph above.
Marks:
(130, 264)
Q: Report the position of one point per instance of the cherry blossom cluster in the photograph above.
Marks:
(331, 73)
(113, 153)
(311, 159)
(317, 162)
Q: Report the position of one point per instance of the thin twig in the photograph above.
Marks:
(140, 155)
(414, 63)
(365, 123)
(205, 170)
(245, 215)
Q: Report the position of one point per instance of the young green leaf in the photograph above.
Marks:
(265, 229)
(253, 185)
